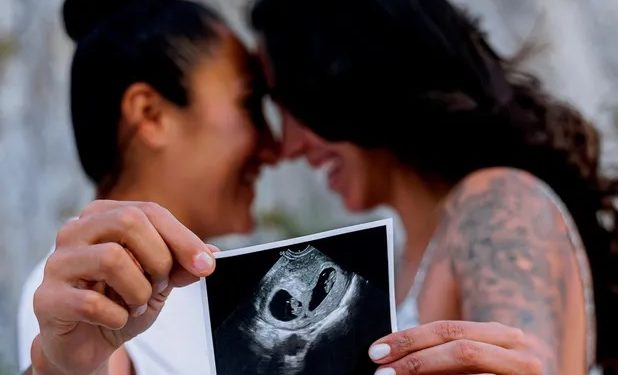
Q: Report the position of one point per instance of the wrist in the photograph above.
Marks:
(41, 365)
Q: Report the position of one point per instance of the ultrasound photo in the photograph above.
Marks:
(306, 306)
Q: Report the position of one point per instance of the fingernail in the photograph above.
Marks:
(385, 371)
(139, 311)
(203, 262)
(161, 286)
(213, 248)
(379, 351)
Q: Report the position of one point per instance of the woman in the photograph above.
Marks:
(165, 109)
(403, 103)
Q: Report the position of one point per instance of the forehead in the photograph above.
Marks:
(223, 68)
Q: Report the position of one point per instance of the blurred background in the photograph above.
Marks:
(571, 46)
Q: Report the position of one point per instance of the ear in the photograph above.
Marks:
(143, 115)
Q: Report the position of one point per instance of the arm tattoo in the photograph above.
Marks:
(509, 250)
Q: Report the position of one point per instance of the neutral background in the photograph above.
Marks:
(575, 44)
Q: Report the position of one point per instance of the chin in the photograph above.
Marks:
(358, 202)
(353, 197)
(354, 205)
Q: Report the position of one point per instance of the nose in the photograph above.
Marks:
(294, 143)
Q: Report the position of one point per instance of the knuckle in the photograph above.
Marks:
(413, 364)
(467, 352)
(52, 266)
(112, 259)
(404, 341)
(89, 305)
(517, 336)
(39, 301)
(65, 234)
(130, 217)
(534, 366)
(163, 265)
(448, 331)
(143, 295)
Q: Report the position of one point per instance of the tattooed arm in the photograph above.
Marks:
(509, 252)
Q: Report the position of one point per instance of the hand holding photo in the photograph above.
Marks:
(310, 305)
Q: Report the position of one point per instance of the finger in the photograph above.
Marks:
(70, 305)
(180, 277)
(194, 255)
(464, 357)
(109, 263)
(400, 344)
(130, 227)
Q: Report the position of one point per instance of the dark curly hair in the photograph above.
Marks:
(418, 78)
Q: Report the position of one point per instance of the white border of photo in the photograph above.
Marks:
(388, 223)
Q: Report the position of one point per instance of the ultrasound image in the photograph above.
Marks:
(307, 315)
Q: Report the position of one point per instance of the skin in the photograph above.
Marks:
(114, 266)
(511, 298)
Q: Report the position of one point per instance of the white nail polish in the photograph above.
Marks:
(203, 262)
(140, 310)
(379, 351)
(385, 371)
(213, 248)
(161, 286)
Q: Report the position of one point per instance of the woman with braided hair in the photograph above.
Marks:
(403, 103)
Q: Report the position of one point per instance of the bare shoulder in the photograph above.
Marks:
(500, 183)
(501, 199)
(509, 250)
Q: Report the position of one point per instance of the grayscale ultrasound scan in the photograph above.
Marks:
(313, 307)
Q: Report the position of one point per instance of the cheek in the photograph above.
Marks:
(235, 145)
(229, 141)
(218, 172)
(212, 155)
(243, 146)
(235, 134)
